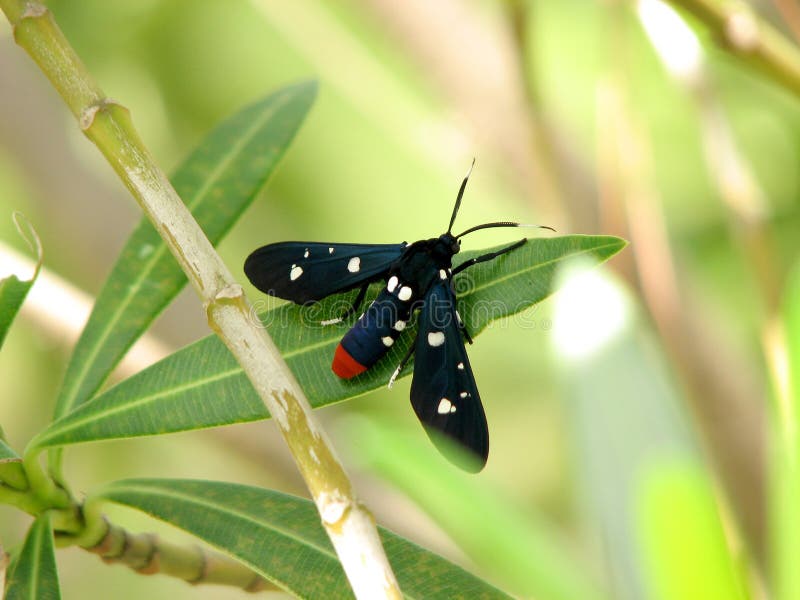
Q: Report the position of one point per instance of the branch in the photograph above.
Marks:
(740, 32)
(148, 554)
(107, 123)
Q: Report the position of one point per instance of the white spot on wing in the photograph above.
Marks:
(442, 274)
(393, 281)
(387, 341)
(435, 338)
(295, 272)
(464, 394)
(460, 366)
(405, 293)
(445, 406)
(306, 253)
(354, 266)
(399, 326)
(330, 250)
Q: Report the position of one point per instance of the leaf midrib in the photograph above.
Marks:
(43, 442)
(201, 503)
(497, 280)
(35, 564)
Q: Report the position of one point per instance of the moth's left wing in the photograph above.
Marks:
(307, 271)
(443, 390)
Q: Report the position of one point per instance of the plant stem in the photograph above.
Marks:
(107, 123)
(740, 32)
(148, 554)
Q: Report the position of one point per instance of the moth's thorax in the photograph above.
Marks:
(422, 262)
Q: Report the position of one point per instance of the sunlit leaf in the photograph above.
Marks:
(34, 575)
(13, 290)
(785, 469)
(280, 537)
(217, 182)
(203, 386)
(634, 449)
(681, 533)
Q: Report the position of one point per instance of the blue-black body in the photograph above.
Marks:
(418, 276)
(407, 281)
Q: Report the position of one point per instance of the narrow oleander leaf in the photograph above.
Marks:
(13, 290)
(12, 294)
(280, 537)
(34, 575)
(217, 182)
(682, 535)
(202, 385)
(784, 513)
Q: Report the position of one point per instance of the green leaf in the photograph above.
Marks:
(280, 537)
(682, 535)
(11, 471)
(784, 515)
(34, 576)
(217, 182)
(514, 547)
(203, 386)
(13, 290)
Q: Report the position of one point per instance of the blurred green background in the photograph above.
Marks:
(576, 122)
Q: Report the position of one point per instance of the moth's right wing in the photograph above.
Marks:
(308, 271)
(443, 391)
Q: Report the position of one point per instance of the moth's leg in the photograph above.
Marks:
(475, 261)
(488, 256)
(462, 327)
(353, 308)
(403, 362)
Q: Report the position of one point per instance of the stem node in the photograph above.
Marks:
(88, 115)
(33, 10)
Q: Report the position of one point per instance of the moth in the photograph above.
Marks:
(418, 276)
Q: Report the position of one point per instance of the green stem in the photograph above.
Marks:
(349, 526)
(148, 554)
(21, 500)
(41, 485)
(756, 43)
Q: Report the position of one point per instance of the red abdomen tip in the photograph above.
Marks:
(344, 365)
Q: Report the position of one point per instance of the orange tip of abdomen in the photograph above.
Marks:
(344, 365)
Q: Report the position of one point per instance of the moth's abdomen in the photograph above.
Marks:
(375, 332)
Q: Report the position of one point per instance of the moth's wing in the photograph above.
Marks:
(443, 390)
(307, 271)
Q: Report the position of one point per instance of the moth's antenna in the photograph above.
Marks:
(501, 224)
(460, 195)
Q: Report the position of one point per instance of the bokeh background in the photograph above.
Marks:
(596, 117)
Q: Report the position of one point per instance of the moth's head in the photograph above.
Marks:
(450, 242)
